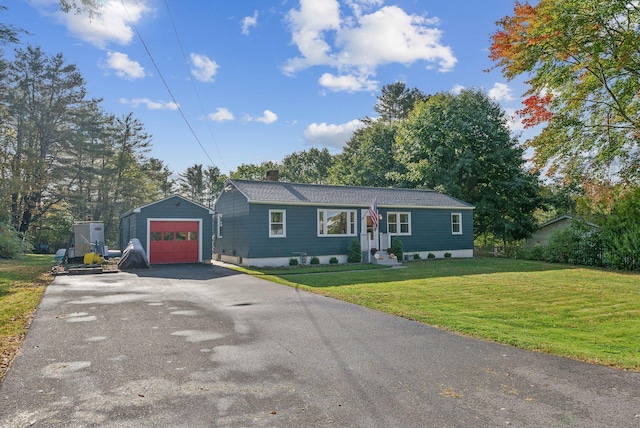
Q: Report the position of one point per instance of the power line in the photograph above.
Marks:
(165, 83)
(195, 89)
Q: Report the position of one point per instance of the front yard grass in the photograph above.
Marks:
(22, 282)
(586, 314)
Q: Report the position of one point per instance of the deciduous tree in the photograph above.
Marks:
(253, 171)
(461, 145)
(307, 166)
(367, 159)
(582, 61)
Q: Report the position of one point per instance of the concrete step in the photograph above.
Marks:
(385, 260)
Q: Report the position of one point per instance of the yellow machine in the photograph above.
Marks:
(93, 259)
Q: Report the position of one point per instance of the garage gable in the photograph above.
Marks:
(172, 230)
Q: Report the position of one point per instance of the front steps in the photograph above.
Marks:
(385, 259)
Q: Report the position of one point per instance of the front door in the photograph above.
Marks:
(373, 235)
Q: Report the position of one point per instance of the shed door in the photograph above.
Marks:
(173, 242)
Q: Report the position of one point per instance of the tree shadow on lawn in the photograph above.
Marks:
(423, 269)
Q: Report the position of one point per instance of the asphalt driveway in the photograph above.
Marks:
(202, 346)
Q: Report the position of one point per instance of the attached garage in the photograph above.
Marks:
(171, 230)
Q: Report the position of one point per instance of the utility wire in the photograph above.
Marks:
(193, 83)
(165, 83)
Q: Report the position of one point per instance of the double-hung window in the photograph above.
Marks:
(277, 224)
(336, 222)
(399, 223)
(456, 223)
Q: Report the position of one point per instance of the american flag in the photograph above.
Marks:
(373, 212)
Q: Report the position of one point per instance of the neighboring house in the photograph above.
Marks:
(541, 236)
(266, 223)
(171, 230)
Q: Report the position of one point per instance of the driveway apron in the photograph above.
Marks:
(203, 346)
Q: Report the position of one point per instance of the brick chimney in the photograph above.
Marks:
(272, 175)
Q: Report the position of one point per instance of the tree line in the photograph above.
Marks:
(63, 159)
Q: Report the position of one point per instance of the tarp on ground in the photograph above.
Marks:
(134, 256)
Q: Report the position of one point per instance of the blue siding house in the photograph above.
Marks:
(171, 230)
(266, 223)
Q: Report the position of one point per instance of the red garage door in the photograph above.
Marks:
(173, 242)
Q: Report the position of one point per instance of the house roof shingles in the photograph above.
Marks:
(318, 194)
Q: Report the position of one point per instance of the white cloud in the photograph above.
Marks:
(514, 121)
(349, 83)
(112, 25)
(457, 89)
(308, 26)
(123, 66)
(501, 92)
(358, 44)
(151, 105)
(391, 35)
(359, 6)
(268, 117)
(221, 115)
(328, 135)
(204, 69)
(248, 22)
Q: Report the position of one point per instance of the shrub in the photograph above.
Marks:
(536, 253)
(314, 260)
(431, 256)
(354, 253)
(293, 262)
(333, 261)
(416, 256)
(396, 248)
(624, 250)
(11, 246)
(447, 255)
(577, 244)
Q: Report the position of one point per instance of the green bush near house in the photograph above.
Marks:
(447, 255)
(314, 260)
(333, 261)
(416, 256)
(431, 256)
(396, 248)
(354, 253)
(293, 262)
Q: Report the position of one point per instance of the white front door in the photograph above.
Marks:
(373, 236)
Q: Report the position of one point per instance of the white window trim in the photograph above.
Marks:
(219, 226)
(284, 224)
(459, 232)
(397, 223)
(349, 215)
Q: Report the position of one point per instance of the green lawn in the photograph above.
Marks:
(586, 314)
(22, 283)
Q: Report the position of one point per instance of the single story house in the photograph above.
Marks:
(266, 223)
(541, 236)
(171, 230)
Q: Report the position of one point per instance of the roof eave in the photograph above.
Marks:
(364, 206)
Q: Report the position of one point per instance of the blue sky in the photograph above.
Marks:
(258, 80)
